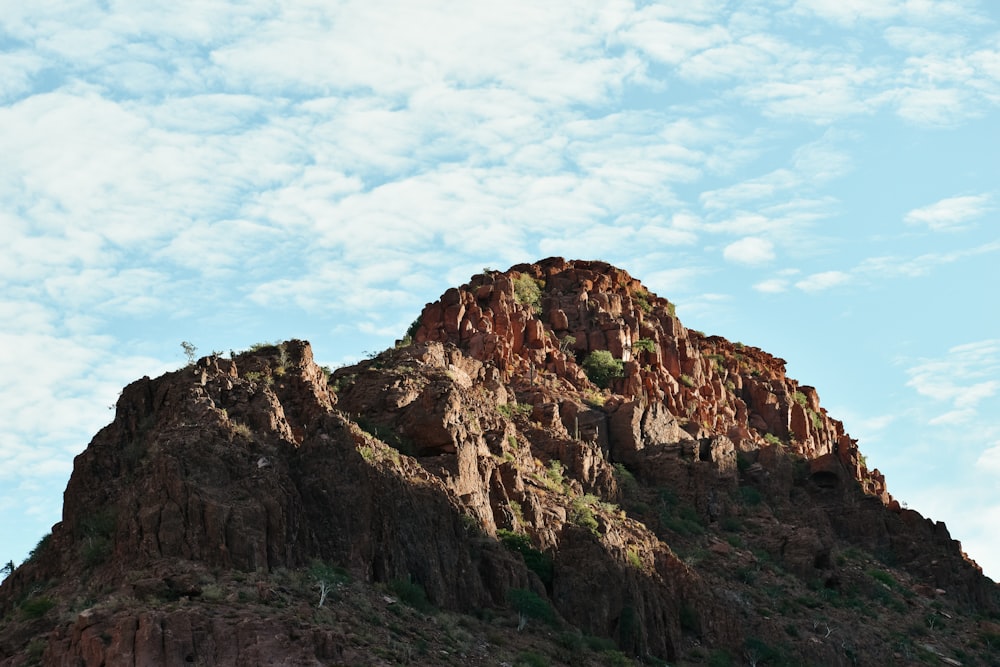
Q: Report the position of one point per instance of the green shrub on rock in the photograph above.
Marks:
(602, 368)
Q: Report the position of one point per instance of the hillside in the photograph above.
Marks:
(548, 469)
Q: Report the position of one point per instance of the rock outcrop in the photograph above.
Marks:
(479, 464)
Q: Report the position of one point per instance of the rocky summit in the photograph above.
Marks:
(549, 469)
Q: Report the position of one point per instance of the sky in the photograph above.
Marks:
(817, 178)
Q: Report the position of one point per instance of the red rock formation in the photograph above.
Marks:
(408, 467)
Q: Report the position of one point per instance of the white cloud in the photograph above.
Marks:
(931, 105)
(849, 12)
(920, 40)
(989, 460)
(821, 281)
(746, 58)
(751, 251)
(751, 190)
(772, 286)
(820, 93)
(668, 282)
(896, 267)
(950, 214)
(673, 42)
(963, 379)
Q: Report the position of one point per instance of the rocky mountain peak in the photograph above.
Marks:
(539, 323)
(549, 457)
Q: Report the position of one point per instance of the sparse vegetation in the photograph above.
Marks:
(883, 577)
(772, 439)
(626, 480)
(687, 380)
(411, 593)
(37, 606)
(512, 410)
(341, 382)
(553, 479)
(35, 650)
(410, 335)
(41, 547)
(582, 513)
(641, 298)
(601, 367)
(750, 496)
(387, 434)
(528, 292)
(96, 533)
(189, 351)
(528, 604)
(538, 562)
(644, 345)
(816, 419)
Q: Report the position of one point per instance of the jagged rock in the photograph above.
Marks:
(406, 466)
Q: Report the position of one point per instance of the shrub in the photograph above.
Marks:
(189, 351)
(96, 550)
(626, 480)
(681, 525)
(602, 368)
(242, 430)
(410, 593)
(41, 547)
(750, 496)
(687, 380)
(757, 652)
(800, 398)
(529, 605)
(641, 299)
(341, 382)
(731, 524)
(553, 479)
(531, 659)
(772, 439)
(528, 292)
(720, 658)
(645, 344)
(35, 651)
(583, 515)
(411, 333)
(538, 562)
(689, 619)
(37, 607)
(511, 410)
(882, 577)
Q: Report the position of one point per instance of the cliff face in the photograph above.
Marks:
(702, 505)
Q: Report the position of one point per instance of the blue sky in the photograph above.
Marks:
(814, 177)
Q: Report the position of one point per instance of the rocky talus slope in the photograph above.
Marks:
(549, 469)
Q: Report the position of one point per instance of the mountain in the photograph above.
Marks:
(548, 469)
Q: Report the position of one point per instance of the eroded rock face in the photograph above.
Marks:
(410, 465)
